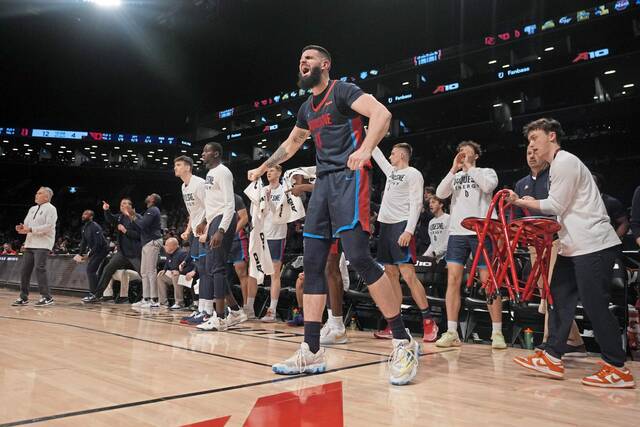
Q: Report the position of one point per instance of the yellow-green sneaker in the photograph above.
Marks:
(449, 339)
(497, 341)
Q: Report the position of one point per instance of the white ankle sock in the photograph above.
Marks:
(452, 326)
(208, 306)
(200, 305)
(329, 313)
(274, 304)
(250, 304)
(336, 322)
(496, 327)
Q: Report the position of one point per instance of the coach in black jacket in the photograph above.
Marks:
(129, 248)
(93, 249)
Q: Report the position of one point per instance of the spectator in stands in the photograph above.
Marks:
(128, 251)
(151, 241)
(93, 249)
(7, 249)
(616, 211)
(422, 229)
(40, 228)
(536, 186)
(60, 247)
(635, 216)
(178, 263)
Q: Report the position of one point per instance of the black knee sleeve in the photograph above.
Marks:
(355, 244)
(316, 252)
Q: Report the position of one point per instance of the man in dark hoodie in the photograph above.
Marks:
(93, 249)
(128, 244)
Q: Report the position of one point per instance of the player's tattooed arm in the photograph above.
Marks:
(285, 151)
(278, 157)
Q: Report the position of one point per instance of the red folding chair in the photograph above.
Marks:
(505, 237)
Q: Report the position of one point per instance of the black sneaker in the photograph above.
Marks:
(121, 300)
(20, 302)
(542, 346)
(44, 301)
(91, 299)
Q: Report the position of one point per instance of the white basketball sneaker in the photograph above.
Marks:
(302, 361)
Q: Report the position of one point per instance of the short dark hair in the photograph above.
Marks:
(476, 147)
(185, 159)
(127, 199)
(406, 147)
(320, 49)
(156, 198)
(215, 146)
(546, 125)
(430, 189)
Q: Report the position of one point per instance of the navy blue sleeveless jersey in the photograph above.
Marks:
(337, 130)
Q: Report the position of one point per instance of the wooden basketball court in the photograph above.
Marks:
(108, 365)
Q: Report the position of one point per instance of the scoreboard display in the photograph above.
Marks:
(89, 136)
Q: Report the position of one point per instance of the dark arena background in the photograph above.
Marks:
(97, 99)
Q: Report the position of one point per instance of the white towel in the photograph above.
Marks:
(260, 263)
(291, 208)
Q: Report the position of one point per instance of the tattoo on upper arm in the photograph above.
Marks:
(277, 157)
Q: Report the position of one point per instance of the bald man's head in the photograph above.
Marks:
(171, 245)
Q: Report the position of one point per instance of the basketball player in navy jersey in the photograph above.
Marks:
(339, 206)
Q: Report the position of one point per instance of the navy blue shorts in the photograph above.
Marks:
(239, 251)
(276, 247)
(340, 200)
(389, 251)
(197, 250)
(460, 247)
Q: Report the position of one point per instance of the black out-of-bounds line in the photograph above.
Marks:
(138, 339)
(230, 331)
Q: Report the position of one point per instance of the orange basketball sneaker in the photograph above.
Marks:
(610, 377)
(540, 362)
(430, 330)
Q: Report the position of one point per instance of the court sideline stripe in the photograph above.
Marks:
(229, 331)
(237, 359)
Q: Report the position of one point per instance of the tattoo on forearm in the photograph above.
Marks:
(276, 158)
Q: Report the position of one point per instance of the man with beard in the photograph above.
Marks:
(93, 249)
(151, 240)
(339, 206)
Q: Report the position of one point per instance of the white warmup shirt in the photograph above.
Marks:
(402, 199)
(471, 193)
(274, 227)
(42, 221)
(193, 196)
(439, 236)
(575, 199)
(219, 198)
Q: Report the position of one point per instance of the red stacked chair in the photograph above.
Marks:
(505, 237)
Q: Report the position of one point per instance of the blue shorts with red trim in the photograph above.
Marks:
(276, 247)
(340, 200)
(389, 251)
(239, 251)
